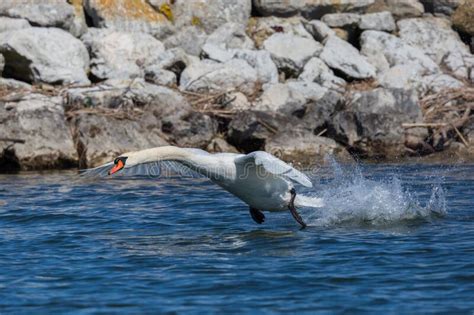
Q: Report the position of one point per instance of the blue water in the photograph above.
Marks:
(390, 239)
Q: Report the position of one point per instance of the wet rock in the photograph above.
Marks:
(303, 148)
(211, 14)
(47, 55)
(39, 121)
(9, 24)
(291, 52)
(381, 21)
(190, 39)
(207, 76)
(160, 76)
(319, 30)
(310, 9)
(437, 40)
(119, 54)
(127, 16)
(463, 18)
(341, 19)
(339, 54)
(372, 126)
(317, 71)
(385, 50)
(400, 9)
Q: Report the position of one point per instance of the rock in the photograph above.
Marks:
(400, 9)
(211, 14)
(127, 16)
(437, 40)
(341, 55)
(215, 53)
(11, 84)
(319, 30)
(208, 76)
(385, 50)
(237, 101)
(219, 145)
(317, 71)
(2, 64)
(401, 76)
(230, 35)
(190, 39)
(437, 82)
(79, 24)
(381, 21)
(305, 148)
(160, 76)
(372, 126)
(291, 52)
(47, 55)
(341, 19)
(174, 60)
(261, 61)
(45, 14)
(290, 98)
(40, 121)
(119, 54)
(463, 18)
(9, 24)
(341, 33)
(446, 7)
(310, 9)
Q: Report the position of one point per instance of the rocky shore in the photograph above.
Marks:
(85, 80)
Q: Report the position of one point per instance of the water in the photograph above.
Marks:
(389, 239)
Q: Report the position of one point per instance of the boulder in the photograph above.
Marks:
(211, 14)
(189, 38)
(208, 76)
(341, 19)
(127, 16)
(437, 40)
(38, 120)
(380, 21)
(400, 9)
(319, 30)
(385, 50)
(463, 18)
(261, 61)
(372, 125)
(446, 7)
(342, 56)
(317, 71)
(160, 76)
(120, 54)
(47, 55)
(9, 24)
(310, 9)
(291, 52)
(306, 149)
(230, 35)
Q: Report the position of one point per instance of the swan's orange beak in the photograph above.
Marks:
(117, 167)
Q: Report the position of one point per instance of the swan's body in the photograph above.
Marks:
(259, 179)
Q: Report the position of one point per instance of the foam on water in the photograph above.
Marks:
(351, 198)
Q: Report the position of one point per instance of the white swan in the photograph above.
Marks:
(261, 180)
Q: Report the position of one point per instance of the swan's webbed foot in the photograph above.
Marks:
(257, 215)
(293, 211)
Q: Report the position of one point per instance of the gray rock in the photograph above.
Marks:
(341, 19)
(174, 60)
(261, 61)
(339, 54)
(380, 21)
(46, 55)
(305, 148)
(220, 145)
(372, 126)
(216, 53)
(435, 37)
(317, 71)
(385, 50)
(121, 55)
(2, 64)
(9, 24)
(438, 82)
(446, 7)
(40, 121)
(401, 76)
(310, 9)
(12, 84)
(291, 52)
(211, 14)
(160, 76)
(319, 30)
(189, 38)
(46, 14)
(128, 16)
(230, 35)
(208, 76)
(402, 9)
(237, 101)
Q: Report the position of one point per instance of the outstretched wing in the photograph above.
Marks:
(152, 169)
(275, 166)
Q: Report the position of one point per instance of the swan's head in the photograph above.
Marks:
(119, 163)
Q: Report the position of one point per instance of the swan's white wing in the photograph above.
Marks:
(152, 169)
(275, 166)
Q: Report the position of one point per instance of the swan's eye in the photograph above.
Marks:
(116, 160)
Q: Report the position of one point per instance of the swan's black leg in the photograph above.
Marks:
(257, 215)
(293, 211)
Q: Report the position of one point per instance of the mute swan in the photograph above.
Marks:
(261, 180)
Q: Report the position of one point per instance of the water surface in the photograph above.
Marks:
(390, 239)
